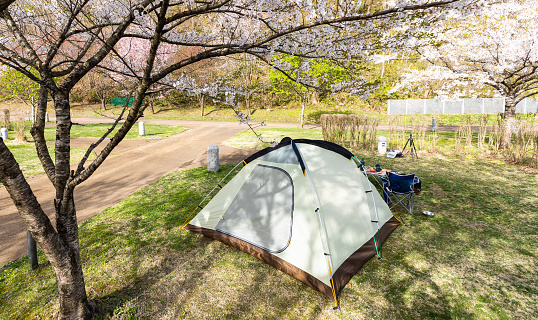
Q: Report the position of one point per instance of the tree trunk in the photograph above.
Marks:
(73, 301)
(302, 110)
(201, 100)
(69, 276)
(247, 104)
(7, 120)
(314, 98)
(150, 105)
(508, 122)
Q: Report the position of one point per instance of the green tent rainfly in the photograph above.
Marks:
(304, 207)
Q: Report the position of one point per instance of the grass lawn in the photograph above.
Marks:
(26, 156)
(97, 130)
(476, 259)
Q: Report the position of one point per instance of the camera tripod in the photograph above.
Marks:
(411, 147)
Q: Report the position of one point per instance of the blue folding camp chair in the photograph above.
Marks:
(399, 190)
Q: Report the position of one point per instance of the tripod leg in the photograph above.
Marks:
(405, 146)
(415, 149)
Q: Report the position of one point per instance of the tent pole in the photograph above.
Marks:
(322, 231)
(324, 237)
(371, 191)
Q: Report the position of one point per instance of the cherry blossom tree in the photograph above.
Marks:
(497, 49)
(63, 40)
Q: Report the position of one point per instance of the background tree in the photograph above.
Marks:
(293, 75)
(250, 76)
(497, 49)
(15, 85)
(67, 39)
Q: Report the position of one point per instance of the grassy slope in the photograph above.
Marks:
(278, 114)
(476, 259)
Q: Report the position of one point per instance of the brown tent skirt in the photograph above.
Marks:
(341, 277)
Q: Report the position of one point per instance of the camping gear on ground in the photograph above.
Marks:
(382, 144)
(394, 154)
(304, 207)
(412, 148)
(399, 189)
(428, 213)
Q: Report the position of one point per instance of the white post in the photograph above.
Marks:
(213, 158)
(3, 133)
(28, 114)
(47, 117)
(424, 111)
(141, 129)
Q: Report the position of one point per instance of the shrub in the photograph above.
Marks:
(7, 123)
(315, 116)
(360, 130)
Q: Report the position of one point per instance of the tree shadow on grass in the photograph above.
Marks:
(449, 266)
(126, 300)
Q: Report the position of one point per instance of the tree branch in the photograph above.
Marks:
(38, 133)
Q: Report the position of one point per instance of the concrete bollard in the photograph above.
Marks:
(3, 133)
(141, 129)
(47, 117)
(213, 158)
(28, 114)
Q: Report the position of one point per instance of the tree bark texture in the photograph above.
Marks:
(303, 106)
(508, 122)
(38, 133)
(5, 3)
(201, 99)
(247, 104)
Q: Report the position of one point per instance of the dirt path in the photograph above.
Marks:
(133, 165)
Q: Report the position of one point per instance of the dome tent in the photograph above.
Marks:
(304, 207)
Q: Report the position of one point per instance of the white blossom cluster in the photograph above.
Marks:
(63, 34)
(497, 48)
